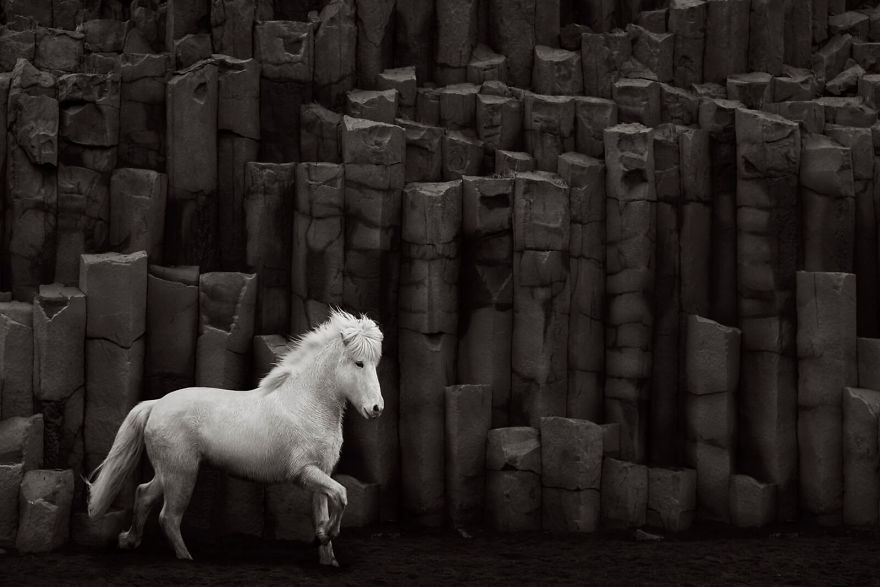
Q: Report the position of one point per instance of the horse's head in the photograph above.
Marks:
(356, 374)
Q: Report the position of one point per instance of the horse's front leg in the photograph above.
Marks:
(336, 497)
(322, 529)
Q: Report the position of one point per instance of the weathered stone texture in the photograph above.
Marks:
(571, 461)
(513, 479)
(16, 359)
(172, 328)
(44, 502)
(861, 458)
(624, 494)
(468, 418)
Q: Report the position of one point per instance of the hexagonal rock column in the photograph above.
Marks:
(286, 51)
(190, 237)
(603, 56)
(424, 151)
(115, 286)
(654, 51)
(142, 113)
(402, 79)
(186, 17)
(513, 479)
(624, 494)
(548, 122)
(798, 33)
(869, 362)
(238, 134)
(541, 297)
(509, 163)
(768, 160)
(711, 378)
(16, 359)
(586, 329)
(59, 372)
(268, 214)
(172, 328)
(557, 72)
(631, 234)
(865, 263)
(428, 319)
(468, 420)
(374, 155)
(512, 28)
(375, 41)
(456, 39)
(232, 23)
(827, 198)
(378, 105)
(320, 131)
(462, 155)
(767, 36)
(89, 108)
(752, 503)
(137, 211)
(672, 498)
(665, 426)
(571, 474)
(592, 117)
(45, 502)
(687, 20)
(861, 458)
(695, 216)
(717, 117)
(227, 304)
(335, 51)
(638, 100)
(21, 450)
(826, 344)
(413, 36)
(31, 184)
(486, 65)
(486, 285)
(83, 218)
(318, 244)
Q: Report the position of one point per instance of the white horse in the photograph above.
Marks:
(289, 429)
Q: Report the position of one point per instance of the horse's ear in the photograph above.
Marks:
(344, 340)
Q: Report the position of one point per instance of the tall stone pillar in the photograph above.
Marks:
(375, 41)
(486, 309)
(768, 160)
(585, 177)
(541, 297)
(335, 52)
(374, 156)
(631, 229)
(428, 319)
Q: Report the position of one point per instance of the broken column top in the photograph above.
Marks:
(514, 449)
(431, 212)
(768, 145)
(369, 142)
(186, 274)
(285, 49)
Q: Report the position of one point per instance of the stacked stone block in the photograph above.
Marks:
(513, 479)
(16, 359)
(571, 474)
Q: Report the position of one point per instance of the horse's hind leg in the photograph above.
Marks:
(178, 486)
(144, 498)
(322, 529)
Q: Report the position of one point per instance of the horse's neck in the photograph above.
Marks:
(310, 394)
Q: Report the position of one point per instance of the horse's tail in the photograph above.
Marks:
(125, 453)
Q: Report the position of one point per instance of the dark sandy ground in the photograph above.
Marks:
(704, 556)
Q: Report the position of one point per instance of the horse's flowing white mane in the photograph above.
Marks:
(361, 336)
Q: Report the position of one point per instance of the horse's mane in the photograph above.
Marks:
(361, 336)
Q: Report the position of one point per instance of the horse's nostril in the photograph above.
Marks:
(376, 409)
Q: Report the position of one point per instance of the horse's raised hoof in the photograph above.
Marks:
(328, 560)
(126, 541)
(184, 556)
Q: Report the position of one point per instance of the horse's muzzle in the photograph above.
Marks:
(371, 413)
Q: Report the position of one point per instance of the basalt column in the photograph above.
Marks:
(31, 184)
(88, 137)
(335, 52)
(115, 287)
(374, 155)
(191, 222)
(631, 225)
(59, 374)
(665, 424)
(541, 297)
(717, 117)
(413, 44)
(768, 161)
(375, 41)
(318, 244)
(286, 51)
(866, 264)
(142, 113)
(238, 126)
(486, 309)
(428, 318)
(456, 39)
(172, 327)
(16, 359)
(268, 212)
(826, 347)
(586, 329)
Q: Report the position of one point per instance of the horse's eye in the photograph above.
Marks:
(359, 364)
